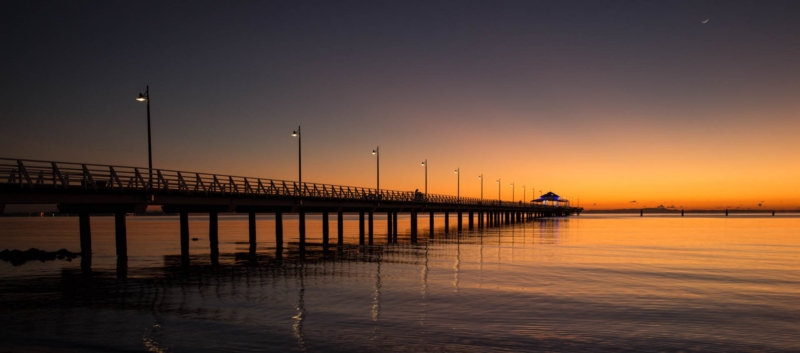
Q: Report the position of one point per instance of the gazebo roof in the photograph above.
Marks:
(550, 196)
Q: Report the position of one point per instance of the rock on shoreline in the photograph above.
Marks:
(19, 257)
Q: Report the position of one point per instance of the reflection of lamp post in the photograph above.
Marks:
(146, 98)
(498, 191)
(425, 164)
(299, 157)
(459, 184)
(481, 178)
(377, 153)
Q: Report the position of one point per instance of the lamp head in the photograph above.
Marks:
(141, 97)
(294, 133)
(374, 151)
(423, 164)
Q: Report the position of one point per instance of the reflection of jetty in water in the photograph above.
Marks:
(281, 291)
(550, 230)
(540, 231)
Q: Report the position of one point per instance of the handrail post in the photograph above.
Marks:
(87, 178)
(23, 173)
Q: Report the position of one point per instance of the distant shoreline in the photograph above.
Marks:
(691, 211)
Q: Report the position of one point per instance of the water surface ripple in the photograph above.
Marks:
(595, 283)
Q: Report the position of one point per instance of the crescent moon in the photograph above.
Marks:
(706, 21)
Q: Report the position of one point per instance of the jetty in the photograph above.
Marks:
(86, 189)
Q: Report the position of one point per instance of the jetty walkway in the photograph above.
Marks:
(86, 189)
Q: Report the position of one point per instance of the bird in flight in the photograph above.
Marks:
(706, 20)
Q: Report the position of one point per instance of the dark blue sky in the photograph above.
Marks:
(453, 81)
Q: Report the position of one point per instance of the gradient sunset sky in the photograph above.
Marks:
(602, 101)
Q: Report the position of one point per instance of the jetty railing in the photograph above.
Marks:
(66, 176)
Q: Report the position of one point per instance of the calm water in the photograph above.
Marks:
(589, 283)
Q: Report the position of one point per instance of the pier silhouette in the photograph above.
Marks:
(86, 189)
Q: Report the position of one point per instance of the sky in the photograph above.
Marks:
(603, 102)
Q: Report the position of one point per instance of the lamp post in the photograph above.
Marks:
(425, 164)
(512, 192)
(458, 190)
(523, 193)
(377, 153)
(297, 134)
(146, 98)
(498, 192)
(481, 178)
